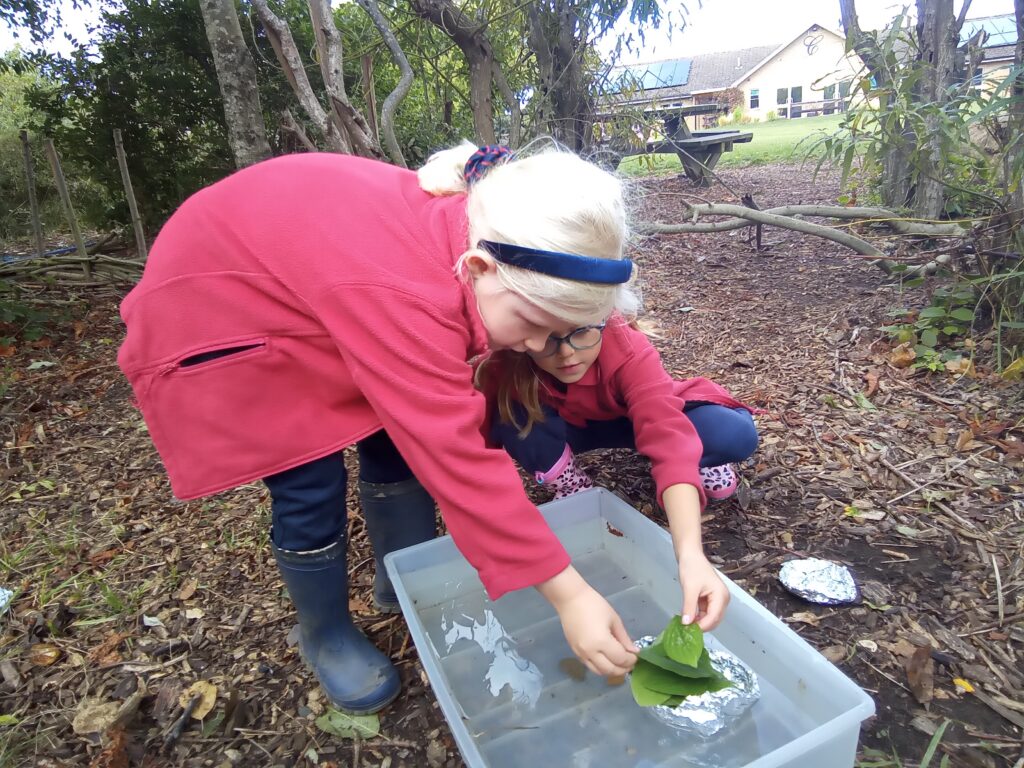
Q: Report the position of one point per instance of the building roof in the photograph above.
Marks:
(703, 73)
(681, 77)
(998, 53)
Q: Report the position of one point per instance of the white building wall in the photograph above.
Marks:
(811, 62)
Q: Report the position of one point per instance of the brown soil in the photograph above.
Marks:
(912, 479)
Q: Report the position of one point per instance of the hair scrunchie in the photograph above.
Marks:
(482, 161)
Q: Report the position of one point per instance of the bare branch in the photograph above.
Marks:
(387, 112)
(280, 36)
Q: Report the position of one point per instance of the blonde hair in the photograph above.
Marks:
(545, 197)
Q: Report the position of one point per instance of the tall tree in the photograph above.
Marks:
(485, 72)
(933, 53)
(236, 75)
(344, 128)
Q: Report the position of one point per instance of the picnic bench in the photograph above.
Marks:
(698, 151)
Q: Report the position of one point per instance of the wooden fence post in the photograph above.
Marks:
(122, 163)
(69, 211)
(33, 204)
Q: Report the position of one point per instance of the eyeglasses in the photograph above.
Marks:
(587, 337)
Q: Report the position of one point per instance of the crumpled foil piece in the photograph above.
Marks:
(707, 714)
(819, 581)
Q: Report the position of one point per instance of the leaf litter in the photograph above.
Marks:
(103, 548)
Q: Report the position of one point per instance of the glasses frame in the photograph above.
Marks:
(567, 339)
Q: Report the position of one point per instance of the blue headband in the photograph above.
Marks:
(586, 269)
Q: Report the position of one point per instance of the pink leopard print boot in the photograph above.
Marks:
(565, 476)
(719, 482)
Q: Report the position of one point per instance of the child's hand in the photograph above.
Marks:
(596, 634)
(705, 596)
(592, 628)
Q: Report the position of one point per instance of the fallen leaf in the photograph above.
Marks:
(872, 379)
(939, 435)
(105, 556)
(966, 440)
(962, 366)
(963, 685)
(358, 605)
(347, 726)
(902, 356)
(1013, 372)
(921, 674)
(94, 716)
(187, 589)
(44, 654)
(194, 613)
(208, 693)
(834, 653)
(106, 652)
(806, 617)
(114, 754)
(7, 350)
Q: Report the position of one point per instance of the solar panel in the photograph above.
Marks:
(1002, 30)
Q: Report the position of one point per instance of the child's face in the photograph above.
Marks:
(567, 364)
(511, 321)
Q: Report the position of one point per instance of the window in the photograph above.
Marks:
(782, 96)
(829, 95)
(755, 98)
(796, 94)
(844, 89)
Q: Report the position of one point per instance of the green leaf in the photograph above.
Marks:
(932, 312)
(962, 314)
(863, 402)
(683, 642)
(929, 337)
(8, 720)
(654, 678)
(213, 724)
(644, 696)
(348, 726)
(653, 654)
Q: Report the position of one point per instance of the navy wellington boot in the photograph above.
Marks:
(397, 515)
(354, 674)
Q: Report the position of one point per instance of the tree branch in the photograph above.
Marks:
(387, 116)
(280, 36)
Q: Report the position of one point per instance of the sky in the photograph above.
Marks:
(712, 25)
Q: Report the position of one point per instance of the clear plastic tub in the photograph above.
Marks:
(498, 671)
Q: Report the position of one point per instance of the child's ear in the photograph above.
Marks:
(479, 263)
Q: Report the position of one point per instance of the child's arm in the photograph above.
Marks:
(704, 595)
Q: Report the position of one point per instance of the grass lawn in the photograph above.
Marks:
(776, 142)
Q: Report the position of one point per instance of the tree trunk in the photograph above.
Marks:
(346, 118)
(236, 75)
(1016, 122)
(387, 112)
(559, 35)
(472, 40)
(938, 37)
(896, 187)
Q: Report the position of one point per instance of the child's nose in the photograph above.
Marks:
(536, 343)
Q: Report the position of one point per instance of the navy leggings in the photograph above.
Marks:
(308, 502)
(727, 434)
